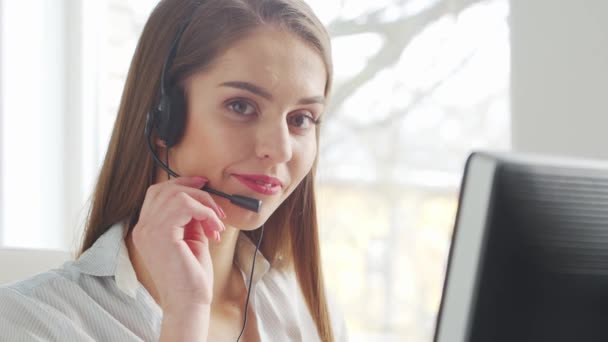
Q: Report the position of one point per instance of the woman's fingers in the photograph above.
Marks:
(205, 198)
(180, 218)
(197, 238)
(191, 209)
(190, 186)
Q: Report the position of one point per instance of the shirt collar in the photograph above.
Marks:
(109, 257)
(101, 258)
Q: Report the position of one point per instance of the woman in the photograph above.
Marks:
(230, 94)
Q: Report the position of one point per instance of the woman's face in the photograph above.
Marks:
(250, 126)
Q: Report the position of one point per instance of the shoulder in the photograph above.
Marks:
(28, 288)
(56, 282)
(22, 315)
(32, 308)
(33, 291)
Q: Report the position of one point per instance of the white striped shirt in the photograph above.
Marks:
(98, 298)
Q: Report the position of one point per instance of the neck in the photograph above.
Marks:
(227, 283)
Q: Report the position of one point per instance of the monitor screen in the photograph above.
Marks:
(529, 253)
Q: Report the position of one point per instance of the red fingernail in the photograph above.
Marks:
(221, 211)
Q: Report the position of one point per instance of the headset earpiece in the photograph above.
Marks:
(170, 116)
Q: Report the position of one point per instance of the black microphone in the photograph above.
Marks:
(248, 203)
(244, 202)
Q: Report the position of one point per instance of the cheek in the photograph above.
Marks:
(306, 157)
(212, 132)
(206, 145)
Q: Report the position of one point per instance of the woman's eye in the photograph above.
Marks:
(302, 121)
(241, 107)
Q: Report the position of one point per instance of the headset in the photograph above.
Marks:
(168, 119)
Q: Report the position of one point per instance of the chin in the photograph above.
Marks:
(246, 220)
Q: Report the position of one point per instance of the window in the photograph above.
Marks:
(418, 84)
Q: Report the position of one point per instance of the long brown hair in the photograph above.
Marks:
(292, 237)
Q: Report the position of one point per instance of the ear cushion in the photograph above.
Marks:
(172, 116)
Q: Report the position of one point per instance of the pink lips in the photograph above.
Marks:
(262, 184)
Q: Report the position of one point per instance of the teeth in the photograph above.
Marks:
(264, 184)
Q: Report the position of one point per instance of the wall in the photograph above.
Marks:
(560, 77)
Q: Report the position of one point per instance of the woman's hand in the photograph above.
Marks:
(172, 235)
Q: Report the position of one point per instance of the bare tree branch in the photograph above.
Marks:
(419, 98)
(399, 113)
(398, 34)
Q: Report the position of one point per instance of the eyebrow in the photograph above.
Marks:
(254, 89)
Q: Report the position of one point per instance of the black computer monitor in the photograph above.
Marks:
(529, 253)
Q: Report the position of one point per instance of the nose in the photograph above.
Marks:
(274, 142)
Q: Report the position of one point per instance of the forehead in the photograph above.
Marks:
(274, 59)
